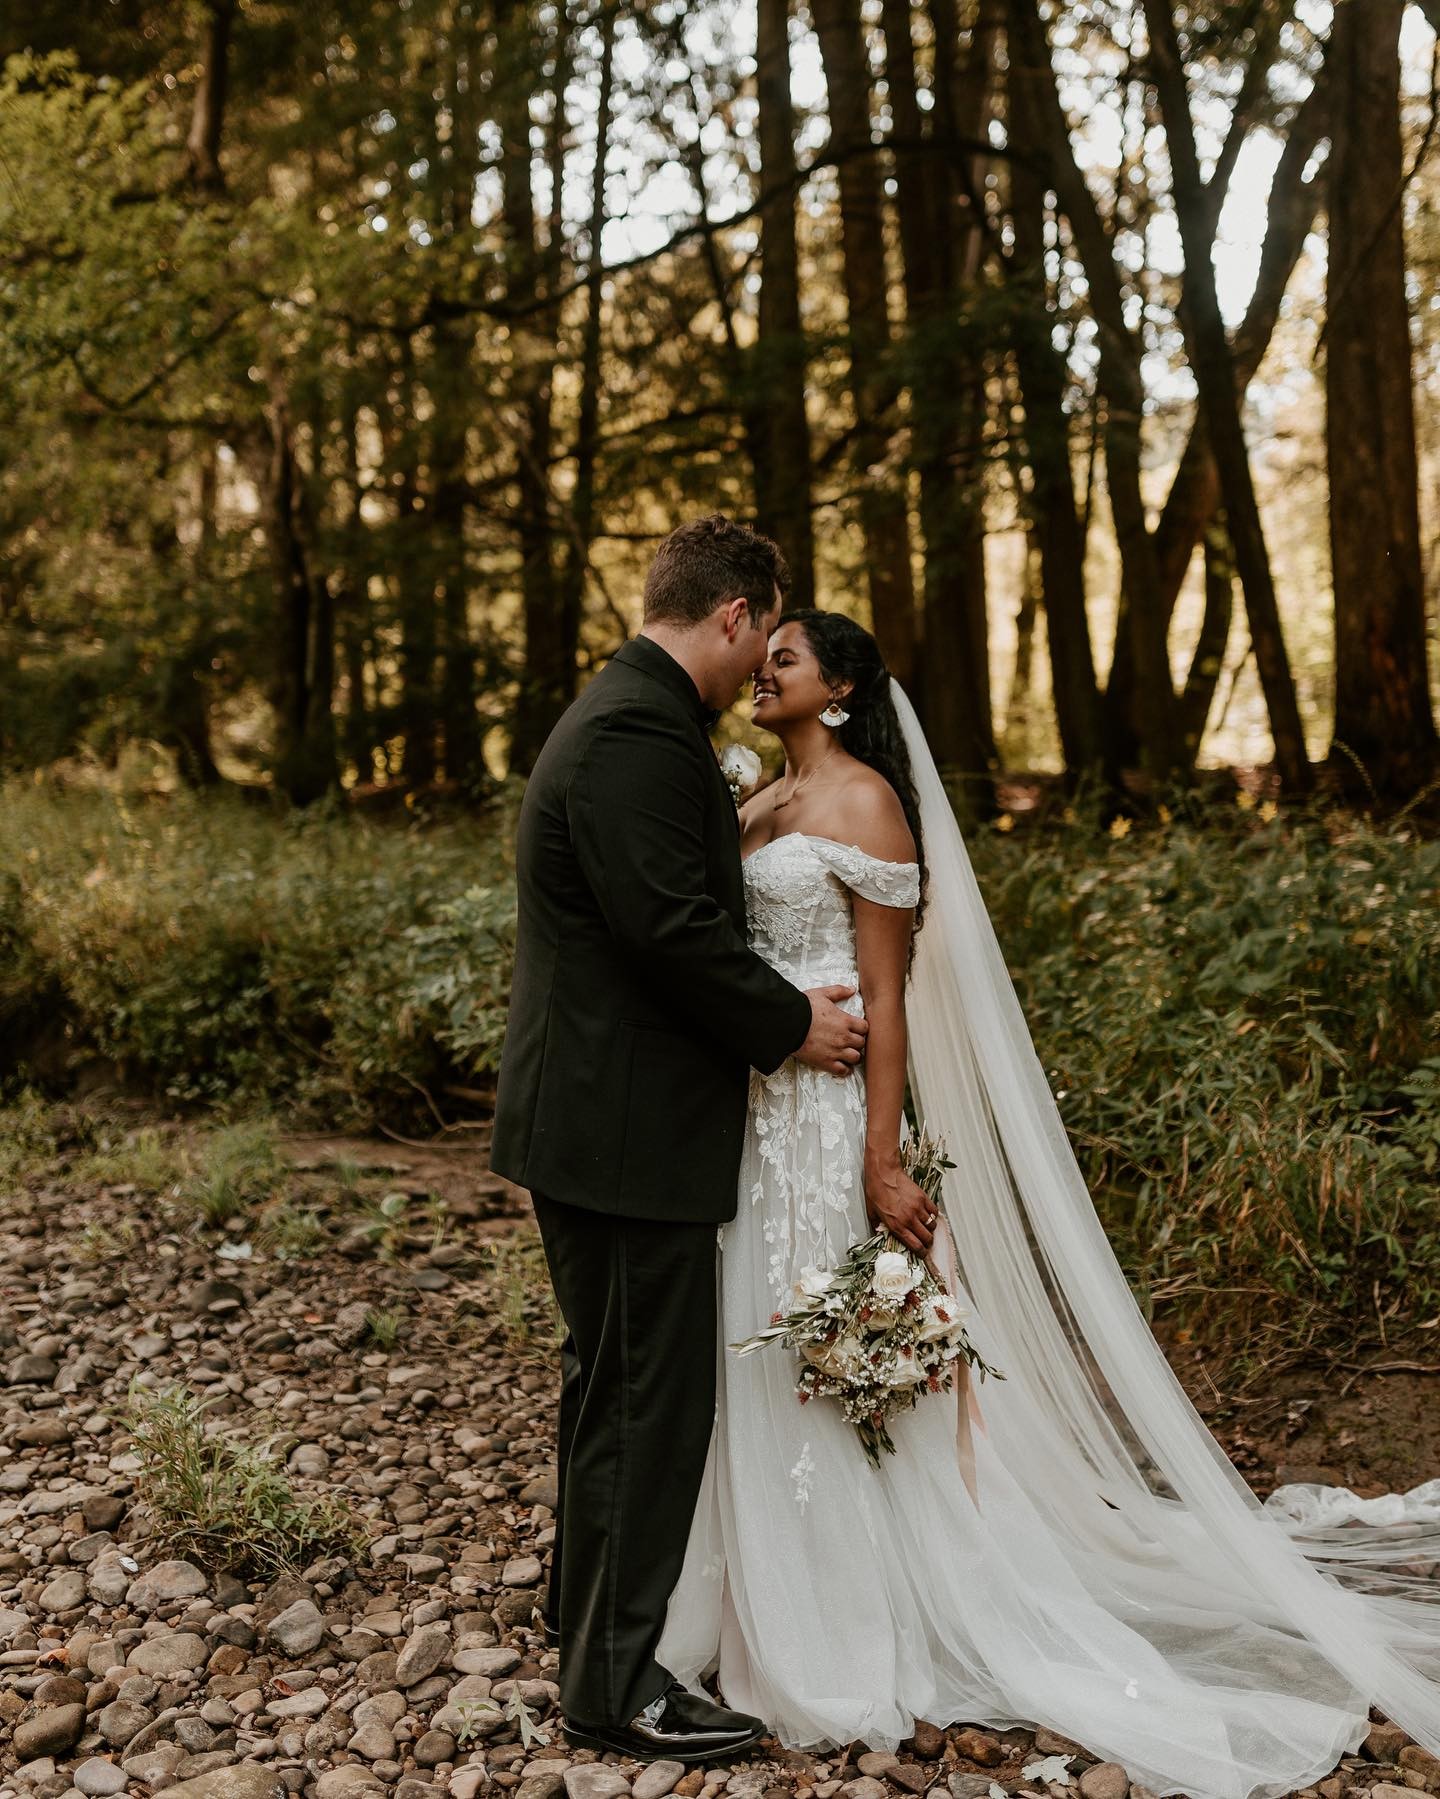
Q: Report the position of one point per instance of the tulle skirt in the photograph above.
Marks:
(840, 1603)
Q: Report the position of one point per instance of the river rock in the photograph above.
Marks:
(165, 1582)
(657, 1780)
(1106, 1780)
(54, 1731)
(593, 1780)
(99, 1778)
(177, 1652)
(298, 1629)
(425, 1650)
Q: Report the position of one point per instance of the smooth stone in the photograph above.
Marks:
(547, 1784)
(164, 1582)
(298, 1629)
(54, 1731)
(1106, 1780)
(593, 1780)
(866, 1787)
(308, 1704)
(177, 1652)
(522, 1571)
(121, 1720)
(64, 1593)
(109, 1579)
(877, 1763)
(976, 1746)
(434, 1747)
(657, 1780)
(99, 1777)
(243, 1780)
(495, 1662)
(929, 1741)
(373, 1741)
(384, 1709)
(425, 1650)
(1384, 1742)
(339, 1783)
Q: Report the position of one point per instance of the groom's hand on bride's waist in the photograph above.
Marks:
(836, 1040)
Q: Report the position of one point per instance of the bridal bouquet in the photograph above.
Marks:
(879, 1329)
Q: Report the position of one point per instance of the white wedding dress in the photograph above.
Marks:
(1068, 1547)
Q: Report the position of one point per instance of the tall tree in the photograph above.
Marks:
(1383, 714)
(548, 673)
(940, 181)
(782, 473)
(1123, 388)
(1214, 369)
(1057, 530)
(883, 512)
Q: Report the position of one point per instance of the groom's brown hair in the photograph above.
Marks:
(708, 560)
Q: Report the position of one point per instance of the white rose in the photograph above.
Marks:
(894, 1275)
(939, 1316)
(740, 766)
(814, 1283)
(905, 1371)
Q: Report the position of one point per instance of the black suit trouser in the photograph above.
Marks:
(637, 1407)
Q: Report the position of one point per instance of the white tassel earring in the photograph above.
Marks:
(834, 715)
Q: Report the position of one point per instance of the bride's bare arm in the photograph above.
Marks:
(882, 951)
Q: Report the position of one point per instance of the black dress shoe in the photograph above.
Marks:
(551, 1634)
(678, 1726)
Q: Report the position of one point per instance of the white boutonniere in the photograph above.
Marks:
(741, 769)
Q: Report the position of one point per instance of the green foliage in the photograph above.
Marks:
(1237, 1015)
(224, 1502)
(1238, 1011)
(217, 951)
(240, 1169)
(522, 1299)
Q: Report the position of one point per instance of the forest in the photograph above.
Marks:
(354, 358)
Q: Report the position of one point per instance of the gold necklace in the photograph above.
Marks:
(804, 781)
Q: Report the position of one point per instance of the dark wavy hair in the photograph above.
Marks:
(847, 652)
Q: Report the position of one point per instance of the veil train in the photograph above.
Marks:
(1091, 1420)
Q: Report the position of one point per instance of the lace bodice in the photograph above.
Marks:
(797, 901)
(807, 1128)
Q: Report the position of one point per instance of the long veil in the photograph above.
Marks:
(1091, 1420)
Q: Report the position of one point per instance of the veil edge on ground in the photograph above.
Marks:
(1093, 1414)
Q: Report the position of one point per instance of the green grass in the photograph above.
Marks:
(226, 1503)
(522, 1299)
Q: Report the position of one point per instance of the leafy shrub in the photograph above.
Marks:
(217, 951)
(1235, 1016)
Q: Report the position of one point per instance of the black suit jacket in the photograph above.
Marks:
(637, 1009)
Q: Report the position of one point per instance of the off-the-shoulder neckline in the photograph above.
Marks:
(834, 842)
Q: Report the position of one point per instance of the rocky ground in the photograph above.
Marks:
(382, 1329)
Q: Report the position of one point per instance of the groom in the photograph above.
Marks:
(636, 1013)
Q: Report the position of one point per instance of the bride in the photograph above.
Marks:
(1070, 1548)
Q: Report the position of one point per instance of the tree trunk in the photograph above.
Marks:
(883, 512)
(207, 117)
(782, 472)
(1123, 390)
(1214, 370)
(949, 401)
(1383, 715)
(452, 401)
(547, 681)
(1056, 529)
(303, 671)
(414, 588)
(1195, 491)
(1209, 656)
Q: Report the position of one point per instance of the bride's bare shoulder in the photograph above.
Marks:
(865, 810)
